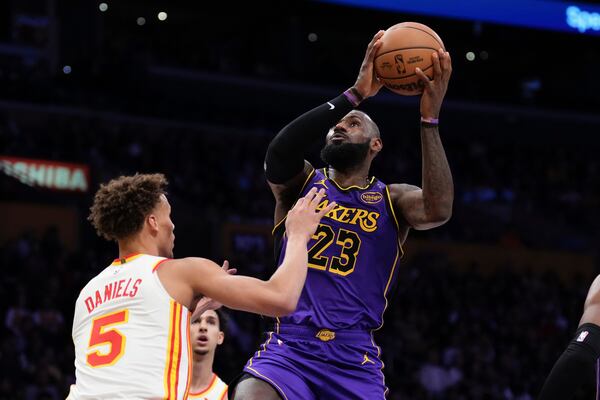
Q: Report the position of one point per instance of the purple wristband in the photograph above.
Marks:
(430, 121)
(352, 98)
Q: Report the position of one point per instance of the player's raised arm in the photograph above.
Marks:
(276, 297)
(285, 167)
(430, 206)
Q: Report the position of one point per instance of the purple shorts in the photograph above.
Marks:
(303, 363)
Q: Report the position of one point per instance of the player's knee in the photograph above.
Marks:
(254, 389)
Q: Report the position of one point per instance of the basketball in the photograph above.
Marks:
(404, 47)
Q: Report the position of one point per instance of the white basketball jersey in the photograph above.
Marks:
(216, 390)
(132, 340)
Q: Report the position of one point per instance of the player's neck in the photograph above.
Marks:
(202, 372)
(358, 176)
(136, 245)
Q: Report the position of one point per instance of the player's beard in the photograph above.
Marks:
(345, 156)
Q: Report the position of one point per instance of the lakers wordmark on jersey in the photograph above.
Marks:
(352, 257)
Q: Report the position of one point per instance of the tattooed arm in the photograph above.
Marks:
(431, 206)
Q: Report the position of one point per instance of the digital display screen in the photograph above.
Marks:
(540, 14)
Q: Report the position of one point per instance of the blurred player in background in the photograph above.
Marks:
(131, 327)
(325, 349)
(208, 332)
(579, 364)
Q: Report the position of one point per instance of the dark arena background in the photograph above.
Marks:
(484, 305)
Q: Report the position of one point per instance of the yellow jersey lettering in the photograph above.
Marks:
(323, 204)
(370, 223)
(360, 214)
(333, 214)
(367, 220)
(346, 216)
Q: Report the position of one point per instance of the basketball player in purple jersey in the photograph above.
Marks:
(325, 349)
(579, 364)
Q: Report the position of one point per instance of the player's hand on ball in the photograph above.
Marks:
(435, 90)
(367, 83)
(303, 219)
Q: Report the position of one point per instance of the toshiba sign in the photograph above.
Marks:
(45, 173)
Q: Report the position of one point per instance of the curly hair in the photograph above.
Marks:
(121, 205)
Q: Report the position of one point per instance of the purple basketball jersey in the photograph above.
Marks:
(352, 258)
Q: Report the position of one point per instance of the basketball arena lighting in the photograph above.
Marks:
(313, 37)
(162, 16)
(556, 15)
(66, 69)
(103, 7)
(470, 56)
(141, 21)
(583, 20)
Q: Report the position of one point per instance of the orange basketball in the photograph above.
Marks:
(404, 47)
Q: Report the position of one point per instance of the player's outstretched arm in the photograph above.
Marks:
(276, 297)
(430, 206)
(285, 167)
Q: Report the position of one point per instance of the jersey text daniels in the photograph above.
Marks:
(113, 290)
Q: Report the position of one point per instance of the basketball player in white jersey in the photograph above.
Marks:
(131, 328)
(207, 331)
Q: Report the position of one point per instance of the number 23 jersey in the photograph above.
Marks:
(352, 258)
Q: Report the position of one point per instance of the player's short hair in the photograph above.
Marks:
(373, 129)
(223, 318)
(121, 205)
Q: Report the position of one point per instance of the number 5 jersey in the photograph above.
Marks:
(132, 340)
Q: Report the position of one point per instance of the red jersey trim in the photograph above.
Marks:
(126, 259)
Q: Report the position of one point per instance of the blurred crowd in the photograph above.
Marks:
(535, 192)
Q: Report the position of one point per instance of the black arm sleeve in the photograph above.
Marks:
(285, 155)
(575, 367)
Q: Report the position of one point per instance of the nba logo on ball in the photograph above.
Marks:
(407, 45)
(400, 64)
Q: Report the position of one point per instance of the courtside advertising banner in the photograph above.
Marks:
(49, 174)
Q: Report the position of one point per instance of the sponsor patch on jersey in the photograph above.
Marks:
(371, 197)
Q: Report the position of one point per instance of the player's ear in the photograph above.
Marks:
(221, 337)
(376, 144)
(152, 222)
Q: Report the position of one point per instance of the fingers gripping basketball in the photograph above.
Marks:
(404, 47)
